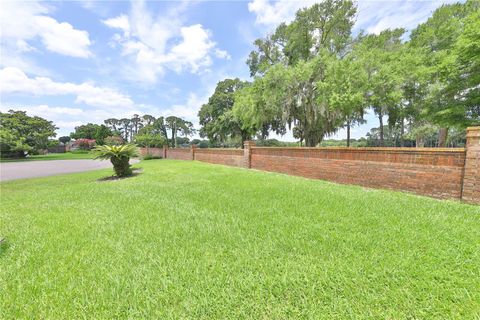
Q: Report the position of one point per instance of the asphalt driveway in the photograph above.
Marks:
(33, 169)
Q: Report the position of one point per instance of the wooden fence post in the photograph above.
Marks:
(247, 153)
(471, 175)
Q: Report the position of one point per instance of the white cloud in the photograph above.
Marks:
(272, 13)
(155, 44)
(376, 16)
(14, 80)
(62, 38)
(372, 16)
(46, 110)
(222, 54)
(189, 110)
(121, 22)
(23, 21)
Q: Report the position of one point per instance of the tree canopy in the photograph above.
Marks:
(216, 117)
(20, 133)
(92, 131)
(314, 77)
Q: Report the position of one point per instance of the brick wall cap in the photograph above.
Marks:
(179, 149)
(360, 149)
(200, 149)
(476, 128)
(473, 132)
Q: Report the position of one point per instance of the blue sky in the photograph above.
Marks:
(78, 62)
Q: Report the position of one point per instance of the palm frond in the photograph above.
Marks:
(123, 151)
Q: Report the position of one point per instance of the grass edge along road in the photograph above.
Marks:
(185, 239)
(52, 156)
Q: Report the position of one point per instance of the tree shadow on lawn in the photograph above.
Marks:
(136, 172)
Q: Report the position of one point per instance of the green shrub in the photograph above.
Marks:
(114, 141)
(150, 156)
(149, 140)
(12, 145)
(53, 143)
(119, 156)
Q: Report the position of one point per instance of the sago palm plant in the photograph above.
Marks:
(118, 155)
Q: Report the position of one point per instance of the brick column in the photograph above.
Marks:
(471, 176)
(192, 151)
(247, 153)
(165, 151)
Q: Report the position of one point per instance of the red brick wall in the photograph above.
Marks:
(436, 172)
(229, 157)
(179, 154)
(157, 152)
(432, 172)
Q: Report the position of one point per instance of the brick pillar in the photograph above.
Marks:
(192, 151)
(471, 176)
(247, 153)
(165, 151)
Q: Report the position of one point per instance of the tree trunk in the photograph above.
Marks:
(348, 133)
(121, 166)
(402, 132)
(442, 137)
(245, 136)
(380, 119)
(309, 142)
(173, 138)
(419, 142)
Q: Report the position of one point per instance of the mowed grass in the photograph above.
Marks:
(192, 240)
(53, 156)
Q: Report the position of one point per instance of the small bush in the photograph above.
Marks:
(150, 156)
(119, 156)
(114, 141)
(85, 144)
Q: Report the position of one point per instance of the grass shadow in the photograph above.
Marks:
(3, 246)
(135, 172)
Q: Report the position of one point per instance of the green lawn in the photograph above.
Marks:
(53, 156)
(192, 240)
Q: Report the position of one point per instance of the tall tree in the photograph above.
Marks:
(316, 97)
(409, 113)
(64, 139)
(216, 117)
(343, 89)
(20, 132)
(159, 124)
(437, 38)
(465, 84)
(92, 131)
(176, 125)
(112, 123)
(293, 63)
(126, 127)
(136, 123)
(379, 55)
(148, 119)
(323, 26)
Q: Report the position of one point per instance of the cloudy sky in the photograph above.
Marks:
(78, 62)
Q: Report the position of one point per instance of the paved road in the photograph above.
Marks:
(33, 169)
